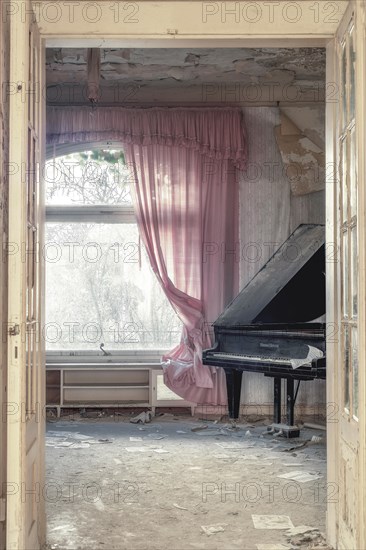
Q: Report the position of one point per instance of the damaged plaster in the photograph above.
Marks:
(303, 159)
(164, 68)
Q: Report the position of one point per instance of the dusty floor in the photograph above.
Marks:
(163, 486)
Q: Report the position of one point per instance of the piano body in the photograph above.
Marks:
(276, 325)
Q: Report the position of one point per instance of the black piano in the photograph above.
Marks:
(276, 325)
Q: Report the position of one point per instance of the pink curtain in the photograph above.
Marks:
(186, 201)
(187, 213)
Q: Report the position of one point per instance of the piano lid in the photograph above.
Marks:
(290, 288)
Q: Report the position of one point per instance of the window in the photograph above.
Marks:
(99, 284)
(348, 205)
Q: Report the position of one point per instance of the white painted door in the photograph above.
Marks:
(347, 396)
(25, 445)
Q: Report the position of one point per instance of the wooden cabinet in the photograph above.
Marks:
(81, 385)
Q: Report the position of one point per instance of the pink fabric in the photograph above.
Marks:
(187, 213)
(184, 162)
(217, 133)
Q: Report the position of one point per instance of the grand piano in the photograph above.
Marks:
(276, 325)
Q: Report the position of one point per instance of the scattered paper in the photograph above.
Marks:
(52, 441)
(313, 353)
(135, 438)
(180, 507)
(213, 529)
(58, 434)
(117, 461)
(136, 449)
(233, 446)
(300, 530)
(160, 451)
(212, 432)
(66, 435)
(273, 547)
(181, 432)
(301, 477)
(272, 522)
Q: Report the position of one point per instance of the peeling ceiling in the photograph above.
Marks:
(164, 68)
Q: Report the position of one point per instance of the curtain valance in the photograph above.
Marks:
(217, 133)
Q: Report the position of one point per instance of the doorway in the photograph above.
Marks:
(47, 31)
(200, 77)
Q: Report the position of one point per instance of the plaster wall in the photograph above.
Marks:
(269, 213)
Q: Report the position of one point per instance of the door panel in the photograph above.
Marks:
(344, 196)
(25, 507)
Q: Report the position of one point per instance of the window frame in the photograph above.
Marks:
(107, 214)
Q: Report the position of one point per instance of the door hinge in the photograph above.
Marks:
(2, 509)
(14, 330)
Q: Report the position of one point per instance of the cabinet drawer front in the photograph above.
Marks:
(106, 377)
(53, 377)
(111, 395)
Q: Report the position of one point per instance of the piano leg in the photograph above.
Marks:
(290, 401)
(233, 385)
(277, 401)
(277, 428)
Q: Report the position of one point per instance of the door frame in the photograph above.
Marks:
(172, 24)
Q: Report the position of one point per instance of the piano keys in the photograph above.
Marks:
(276, 325)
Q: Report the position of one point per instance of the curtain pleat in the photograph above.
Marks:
(184, 164)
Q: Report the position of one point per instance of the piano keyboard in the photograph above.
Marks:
(253, 358)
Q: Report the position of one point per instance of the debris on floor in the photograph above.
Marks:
(136, 449)
(180, 507)
(313, 426)
(69, 440)
(143, 418)
(209, 493)
(310, 539)
(301, 477)
(300, 530)
(213, 529)
(273, 547)
(271, 522)
(156, 436)
(199, 428)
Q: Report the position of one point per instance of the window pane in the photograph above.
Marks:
(100, 289)
(355, 371)
(354, 270)
(344, 86)
(352, 60)
(344, 283)
(344, 190)
(346, 365)
(352, 175)
(93, 177)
